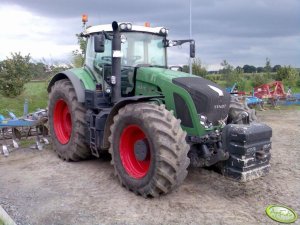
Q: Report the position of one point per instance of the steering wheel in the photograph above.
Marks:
(106, 58)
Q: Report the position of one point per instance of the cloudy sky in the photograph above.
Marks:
(240, 31)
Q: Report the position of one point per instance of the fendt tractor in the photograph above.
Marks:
(155, 122)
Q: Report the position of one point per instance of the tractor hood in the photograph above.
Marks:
(209, 99)
(155, 74)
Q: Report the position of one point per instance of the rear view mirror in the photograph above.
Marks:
(192, 49)
(99, 42)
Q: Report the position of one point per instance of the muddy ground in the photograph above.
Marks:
(36, 187)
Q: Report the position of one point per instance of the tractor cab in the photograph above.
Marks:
(141, 46)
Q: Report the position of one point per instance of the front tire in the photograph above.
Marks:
(238, 106)
(67, 122)
(148, 148)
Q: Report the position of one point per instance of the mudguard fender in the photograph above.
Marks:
(76, 82)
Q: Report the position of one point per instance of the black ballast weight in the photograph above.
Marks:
(249, 148)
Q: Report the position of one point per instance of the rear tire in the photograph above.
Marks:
(67, 122)
(163, 164)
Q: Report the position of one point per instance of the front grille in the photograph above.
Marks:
(208, 101)
(181, 111)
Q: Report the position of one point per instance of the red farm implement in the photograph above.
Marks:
(273, 90)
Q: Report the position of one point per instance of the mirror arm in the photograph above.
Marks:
(83, 35)
(107, 36)
(171, 43)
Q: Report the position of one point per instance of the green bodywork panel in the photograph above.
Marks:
(153, 81)
(86, 77)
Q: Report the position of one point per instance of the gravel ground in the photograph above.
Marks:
(36, 187)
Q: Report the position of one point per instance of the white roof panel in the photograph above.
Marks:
(108, 27)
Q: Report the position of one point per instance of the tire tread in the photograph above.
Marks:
(172, 148)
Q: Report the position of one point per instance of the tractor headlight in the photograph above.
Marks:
(203, 119)
(129, 26)
(125, 26)
(163, 31)
(204, 122)
(122, 26)
(108, 90)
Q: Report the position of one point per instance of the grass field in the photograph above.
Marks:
(35, 93)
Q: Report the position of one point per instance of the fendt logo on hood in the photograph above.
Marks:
(220, 106)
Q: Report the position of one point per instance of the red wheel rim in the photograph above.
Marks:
(62, 121)
(134, 167)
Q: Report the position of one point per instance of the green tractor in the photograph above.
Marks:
(154, 121)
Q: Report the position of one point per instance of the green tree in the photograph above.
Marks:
(298, 82)
(231, 75)
(226, 67)
(287, 74)
(275, 68)
(38, 70)
(239, 68)
(14, 73)
(186, 68)
(197, 68)
(268, 68)
(237, 76)
(259, 79)
(259, 69)
(227, 72)
(249, 69)
(78, 55)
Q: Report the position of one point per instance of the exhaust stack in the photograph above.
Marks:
(116, 63)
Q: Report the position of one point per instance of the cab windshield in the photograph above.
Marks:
(137, 48)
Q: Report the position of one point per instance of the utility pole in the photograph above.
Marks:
(190, 60)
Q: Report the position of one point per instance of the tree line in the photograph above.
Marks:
(252, 69)
(247, 76)
(16, 70)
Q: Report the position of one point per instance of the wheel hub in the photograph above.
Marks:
(141, 149)
(135, 152)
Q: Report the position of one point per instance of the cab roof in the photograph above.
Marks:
(108, 28)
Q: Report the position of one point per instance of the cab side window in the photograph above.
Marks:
(93, 59)
(104, 57)
(90, 53)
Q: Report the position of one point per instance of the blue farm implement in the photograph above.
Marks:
(251, 100)
(293, 99)
(11, 127)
